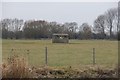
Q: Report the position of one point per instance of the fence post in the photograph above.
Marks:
(28, 52)
(46, 55)
(11, 53)
(94, 56)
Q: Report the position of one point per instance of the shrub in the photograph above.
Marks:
(15, 67)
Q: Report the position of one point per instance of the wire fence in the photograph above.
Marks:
(45, 56)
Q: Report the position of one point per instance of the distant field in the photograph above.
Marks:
(77, 52)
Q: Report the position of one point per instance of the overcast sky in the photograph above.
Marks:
(60, 12)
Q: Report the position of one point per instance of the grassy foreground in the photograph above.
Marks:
(17, 67)
(76, 53)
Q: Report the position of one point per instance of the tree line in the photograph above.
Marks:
(105, 27)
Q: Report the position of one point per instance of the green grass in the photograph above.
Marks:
(77, 52)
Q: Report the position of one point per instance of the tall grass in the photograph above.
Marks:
(15, 67)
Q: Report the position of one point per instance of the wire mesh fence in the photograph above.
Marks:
(58, 57)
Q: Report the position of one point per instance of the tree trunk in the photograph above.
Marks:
(111, 32)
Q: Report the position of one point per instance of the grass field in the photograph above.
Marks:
(77, 52)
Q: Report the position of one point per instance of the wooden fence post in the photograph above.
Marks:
(46, 55)
(94, 62)
(11, 54)
(28, 52)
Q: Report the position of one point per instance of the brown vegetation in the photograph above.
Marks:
(17, 67)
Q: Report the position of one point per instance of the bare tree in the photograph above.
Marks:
(99, 25)
(87, 33)
(71, 29)
(118, 26)
(111, 16)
